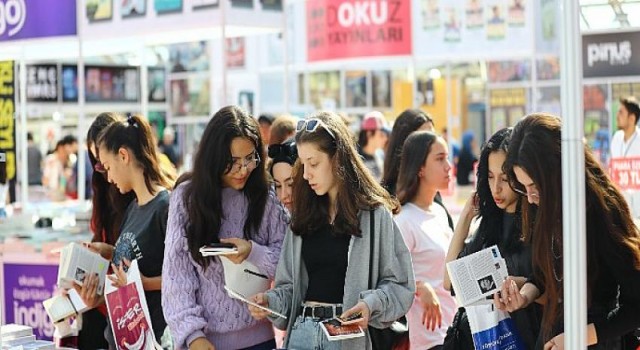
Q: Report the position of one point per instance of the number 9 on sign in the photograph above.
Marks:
(12, 14)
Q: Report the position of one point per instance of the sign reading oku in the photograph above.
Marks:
(25, 19)
(349, 28)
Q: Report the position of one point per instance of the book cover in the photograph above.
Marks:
(335, 330)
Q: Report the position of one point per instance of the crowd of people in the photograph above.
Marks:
(345, 231)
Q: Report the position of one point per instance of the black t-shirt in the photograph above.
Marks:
(325, 257)
(142, 237)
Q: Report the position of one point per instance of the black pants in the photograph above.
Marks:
(92, 334)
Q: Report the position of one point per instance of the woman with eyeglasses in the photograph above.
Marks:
(283, 157)
(613, 241)
(327, 268)
(498, 207)
(226, 198)
(424, 170)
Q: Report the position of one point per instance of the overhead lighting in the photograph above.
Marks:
(435, 74)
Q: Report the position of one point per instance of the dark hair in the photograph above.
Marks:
(135, 134)
(357, 189)
(415, 151)
(408, 121)
(266, 118)
(108, 204)
(3, 168)
(29, 136)
(491, 226)
(631, 104)
(203, 195)
(283, 128)
(68, 140)
(607, 210)
(286, 152)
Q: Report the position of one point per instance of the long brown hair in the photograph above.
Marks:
(357, 189)
(108, 204)
(415, 151)
(134, 133)
(203, 195)
(535, 147)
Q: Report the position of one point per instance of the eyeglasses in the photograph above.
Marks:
(99, 168)
(517, 188)
(250, 164)
(283, 150)
(310, 125)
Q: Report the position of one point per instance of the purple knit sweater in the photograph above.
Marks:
(193, 299)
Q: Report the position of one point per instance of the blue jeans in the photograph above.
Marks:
(306, 334)
(268, 345)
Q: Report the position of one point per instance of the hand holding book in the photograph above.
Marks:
(243, 246)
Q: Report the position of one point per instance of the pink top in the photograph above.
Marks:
(427, 235)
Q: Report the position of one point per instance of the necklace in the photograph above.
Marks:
(556, 257)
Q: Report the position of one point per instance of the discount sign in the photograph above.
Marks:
(625, 172)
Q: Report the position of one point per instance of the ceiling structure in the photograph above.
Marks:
(609, 14)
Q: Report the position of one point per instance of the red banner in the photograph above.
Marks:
(352, 28)
(625, 172)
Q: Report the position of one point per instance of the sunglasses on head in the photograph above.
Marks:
(285, 149)
(99, 168)
(312, 124)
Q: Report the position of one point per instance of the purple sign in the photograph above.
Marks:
(26, 19)
(25, 287)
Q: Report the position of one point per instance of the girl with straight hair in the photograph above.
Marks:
(226, 198)
(327, 268)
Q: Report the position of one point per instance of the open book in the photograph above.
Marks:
(77, 262)
(60, 307)
(215, 249)
(335, 330)
(243, 298)
(478, 275)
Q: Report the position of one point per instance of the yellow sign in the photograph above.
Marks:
(507, 97)
(7, 109)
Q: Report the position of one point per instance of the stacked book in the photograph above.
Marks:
(18, 337)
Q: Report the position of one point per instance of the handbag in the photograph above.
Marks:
(459, 333)
(397, 335)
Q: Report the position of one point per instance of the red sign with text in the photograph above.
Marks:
(625, 172)
(351, 28)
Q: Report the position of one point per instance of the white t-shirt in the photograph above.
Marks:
(621, 149)
(427, 235)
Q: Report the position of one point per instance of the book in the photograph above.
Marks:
(8, 343)
(244, 278)
(242, 298)
(477, 276)
(215, 249)
(60, 307)
(36, 345)
(335, 330)
(11, 331)
(76, 262)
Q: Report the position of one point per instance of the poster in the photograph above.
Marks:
(69, 83)
(26, 286)
(245, 100)
(496, 23)
(189, 57)
(190, 96)
(112, 84)
(548, 68)
(324, 89)
(474, 14)
(235, 52)
(26, 19)
(242, 3)
(157, 84)
(356, 86)
(275, 5)
(381, 86)
(516, 17)
(204, 4)
(430, 13)
(167, 6)
(7, 120)
(350, 28)
(133, 8)
(625, 172)
(99, 10)
(452, 24)
(42, 83)
(507, 71)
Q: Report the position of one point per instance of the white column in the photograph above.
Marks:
(573, 191)
(285, 62)
(82, 175)
(21, 136)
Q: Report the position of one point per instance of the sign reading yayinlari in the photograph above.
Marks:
(611, 55)
(349, 28)
(27, 19)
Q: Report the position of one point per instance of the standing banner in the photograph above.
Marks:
(349, 28)
(625, 172)
(25, 287)
(27, 19)
(7, 121)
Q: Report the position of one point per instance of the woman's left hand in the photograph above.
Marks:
(244, 249)
(361, 308)
(556, 343)
(119, 277)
